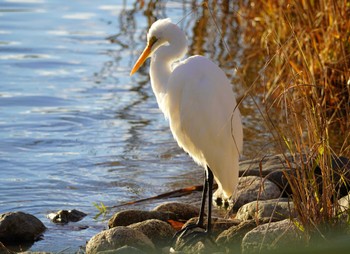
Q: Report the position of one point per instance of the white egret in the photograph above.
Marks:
(197, 98)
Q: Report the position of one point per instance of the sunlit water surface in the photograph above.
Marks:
(75, 129)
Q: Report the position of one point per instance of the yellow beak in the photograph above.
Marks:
(141, 59)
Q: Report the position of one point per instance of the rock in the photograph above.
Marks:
(118, 237)
(271, 236)
(64, 216)
(251, 188)
(195, 240)
(279, 209)
(344, 203)
(123, 250)
(128, 217)
(271, 167)
(20, 227)
(196, 244)
(232, 237)
(159, 232)
(35, 252)
(181, 210)
(218, 224)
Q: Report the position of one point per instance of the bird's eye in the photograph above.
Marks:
(153, 40)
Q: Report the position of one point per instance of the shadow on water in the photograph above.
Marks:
(76, 129)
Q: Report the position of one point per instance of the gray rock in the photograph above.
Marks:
(196, 245)
(276, 209)
(20, 227)
(118, 237)
(271, 236)
(218, 224)
(271, 167)
(128, 217)
(201, 243)
(123, 250)
(232, 237)
(251, 188)
(344, 203)
(159, 232)
(66, 216)
(181, 210)
(35, 252)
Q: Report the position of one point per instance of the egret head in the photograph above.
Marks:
(156, 37)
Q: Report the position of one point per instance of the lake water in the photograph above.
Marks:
(75, 129)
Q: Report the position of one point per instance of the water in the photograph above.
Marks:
(75, 129)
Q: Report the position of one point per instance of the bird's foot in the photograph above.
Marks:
(190, 235)
(183, 232)
(190, 239)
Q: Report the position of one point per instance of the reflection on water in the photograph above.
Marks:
(75, 128)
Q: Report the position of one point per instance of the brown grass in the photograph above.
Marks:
(304, 51)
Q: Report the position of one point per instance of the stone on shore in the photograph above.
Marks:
(128, 217)
(251, 188)
(232, 237)
(159, 232)
(20, 227)
(123, 250)
(181, 210)
(200, 244)
(117, 237)
(274, 167)
(272, 236)
(218, 224)
(344, 203)
(271, 167)
(258, 206)
(276, 209)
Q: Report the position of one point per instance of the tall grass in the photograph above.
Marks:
(304, 50)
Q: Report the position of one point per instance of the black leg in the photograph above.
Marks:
(204, 197)
(208, 185)
(210, 180)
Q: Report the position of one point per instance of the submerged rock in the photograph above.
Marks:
(16, 227)
(65, 216)
(117, 237)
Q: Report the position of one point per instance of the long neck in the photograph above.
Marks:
(162, 61)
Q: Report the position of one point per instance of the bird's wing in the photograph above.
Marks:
(204, 120)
